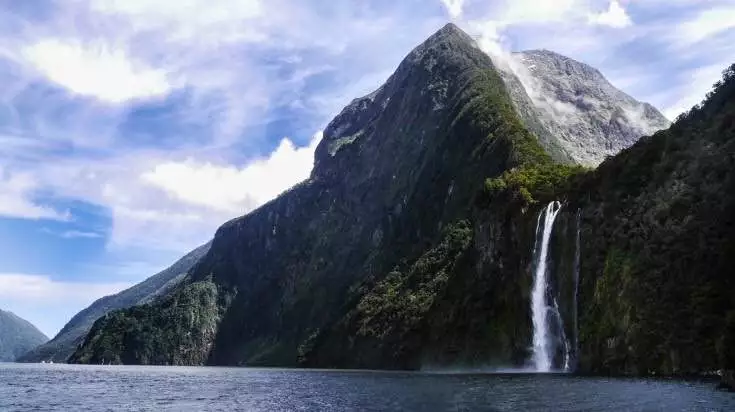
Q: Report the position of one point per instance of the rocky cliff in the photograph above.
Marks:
(66, 341)
(574, 109)
(17, 336)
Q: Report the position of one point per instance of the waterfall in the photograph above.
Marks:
(542, 344)
(563, 337)
(577, 263)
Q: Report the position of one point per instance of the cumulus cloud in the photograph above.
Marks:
(96, 70)
(229, 189)
(49, 303)
(615, 16)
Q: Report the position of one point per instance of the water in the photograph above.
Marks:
(135, 388)
(564, 340)
(577, 265)
(542, 342)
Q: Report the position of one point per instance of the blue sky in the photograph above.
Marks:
(130, 129)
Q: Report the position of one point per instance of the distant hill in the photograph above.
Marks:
(17, 336)
(73, 333)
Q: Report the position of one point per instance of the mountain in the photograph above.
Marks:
(73, 333)
(576, 106)
(415, 243)
(395, 173)
(17, 336)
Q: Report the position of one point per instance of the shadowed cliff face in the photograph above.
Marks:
(394, 169)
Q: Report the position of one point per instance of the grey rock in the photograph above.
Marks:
(578, 109)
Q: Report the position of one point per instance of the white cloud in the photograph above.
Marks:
(705, 24)
(170, 203)
(615, 16)
(96, 70)
(205, 20)
(16, 192)
(229, 189)
(232, 63)
(454, 7)
(80, 234)
(49, 303)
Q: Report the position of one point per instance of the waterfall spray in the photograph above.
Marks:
(542, 351)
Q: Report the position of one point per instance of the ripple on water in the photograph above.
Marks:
(93, 388)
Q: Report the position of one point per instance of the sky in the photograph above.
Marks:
(131, 129)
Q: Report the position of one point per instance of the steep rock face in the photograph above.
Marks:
(586, 117)
(73, 333)
(396, 171)
(17, 336)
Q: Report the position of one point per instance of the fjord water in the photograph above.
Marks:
(133, 388)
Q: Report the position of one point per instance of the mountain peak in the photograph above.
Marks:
(428, 70)
(450, 32)
(451, 28)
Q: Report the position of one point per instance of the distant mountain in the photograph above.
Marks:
(66, 341)
(574, 109)
(17, 336)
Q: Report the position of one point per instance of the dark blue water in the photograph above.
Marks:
(132, 388)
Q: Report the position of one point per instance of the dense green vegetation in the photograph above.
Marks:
(659, 230)
(17, 336)
(532, 184)
(400, 300)
(380, 325)
(135, 335)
